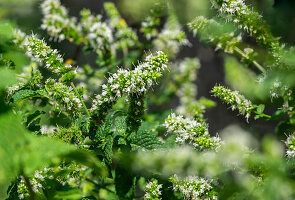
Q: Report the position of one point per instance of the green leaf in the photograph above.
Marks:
(33, 120)
(146, 138)
(108, 150)
(120, 125)
(260, 108)
(7, 77)
(21, 152)
(72, 194)
(170, 142)
(25, 94)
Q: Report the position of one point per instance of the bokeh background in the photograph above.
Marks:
(279, 14)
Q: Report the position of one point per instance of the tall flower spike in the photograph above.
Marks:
(190, 131)
(185, 76)
(58, 23)
(39, 51)
(238, 12)
(194, 188)
(124, 82)
(236, 100)
(99, 34)
(64, 98)
(125, 36)
(215, 34)
(171, 38)
(153, 190)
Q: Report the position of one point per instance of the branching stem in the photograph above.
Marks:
(256, 64)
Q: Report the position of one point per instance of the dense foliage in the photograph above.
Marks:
(103, 130)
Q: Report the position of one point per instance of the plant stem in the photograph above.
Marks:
(21, 76)
(29, 186)
(256, 64)
(77, 93)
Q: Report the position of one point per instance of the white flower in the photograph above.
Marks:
(67, 100)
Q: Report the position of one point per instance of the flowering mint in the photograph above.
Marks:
(194, 188)
(125, 36)
(40, 52)
(98, 34)
(171, 38)
(290, 143)
(152, 191)
(58, 23)
(137, 81)
(238, 12)
(236, 100)
(125, 82)
(215, 34)
(185, 76)
(190, 131)
(72, 175)
(63, 97)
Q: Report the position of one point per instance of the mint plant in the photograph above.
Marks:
(73, 130)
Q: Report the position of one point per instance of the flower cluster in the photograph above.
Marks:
(63, 96)
(125, 36)
(72, 175)
(22, 189)
(249, 20)
(148, 27)
(236, 100)
(58, 23)
(137, 81)
(194, 188)
(185, 76)
(48, 130)
(152, 190)
(39, 51)
(98, 34)
(191, 132)
(150, 24)
(278, 89)
(290, 143)
(134, 83)
(171, 38)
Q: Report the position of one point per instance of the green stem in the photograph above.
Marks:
(77, 93)
(21, 76)
(29, 187)
(256, 64)
(264, 115)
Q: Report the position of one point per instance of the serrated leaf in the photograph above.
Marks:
(33, 119)
(24, 94)
(146, 138)
(83, 123)
(145, 141)
(120, 125)
(106, 128)
(108, 150)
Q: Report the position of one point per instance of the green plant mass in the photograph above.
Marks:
(103, 103)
